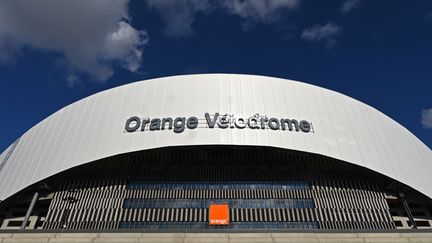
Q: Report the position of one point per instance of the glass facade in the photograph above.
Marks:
(205, 225)
(187, 204)
(205, 203)
(232, 185)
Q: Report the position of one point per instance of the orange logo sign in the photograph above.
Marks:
(219, 214)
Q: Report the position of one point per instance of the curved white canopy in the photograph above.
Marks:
(94, 127)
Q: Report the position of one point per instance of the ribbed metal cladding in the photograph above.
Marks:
(94, 196)
(4, 157)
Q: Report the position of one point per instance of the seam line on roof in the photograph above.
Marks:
(9, 153)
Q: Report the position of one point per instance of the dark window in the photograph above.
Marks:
(398, 223)
(418, 214)
(422, 223)
(17, 223)
(18, 214)
(414, 205)
(396, 213)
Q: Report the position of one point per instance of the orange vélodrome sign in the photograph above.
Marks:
(219, 214)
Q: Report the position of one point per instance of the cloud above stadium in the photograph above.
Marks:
(90, 36)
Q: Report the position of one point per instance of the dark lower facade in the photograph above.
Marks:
(173, 188)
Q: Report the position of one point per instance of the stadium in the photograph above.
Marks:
(216, 151)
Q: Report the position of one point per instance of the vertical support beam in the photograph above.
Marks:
(407, 209)
(29, 211)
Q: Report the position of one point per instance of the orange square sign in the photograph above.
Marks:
(219, 214)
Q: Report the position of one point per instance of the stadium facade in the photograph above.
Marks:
(216, 151)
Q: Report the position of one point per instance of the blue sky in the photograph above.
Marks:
(53, 53)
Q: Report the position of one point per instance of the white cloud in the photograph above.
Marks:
(426, 119)
(326, 33)
(179, 15)
(350, 5)
(259, 11)
(92, 36)
(125, 43)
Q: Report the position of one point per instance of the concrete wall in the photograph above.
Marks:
(216, 237)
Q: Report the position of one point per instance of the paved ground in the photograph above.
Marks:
(215, 237)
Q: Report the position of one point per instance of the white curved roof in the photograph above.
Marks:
(93, 128)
